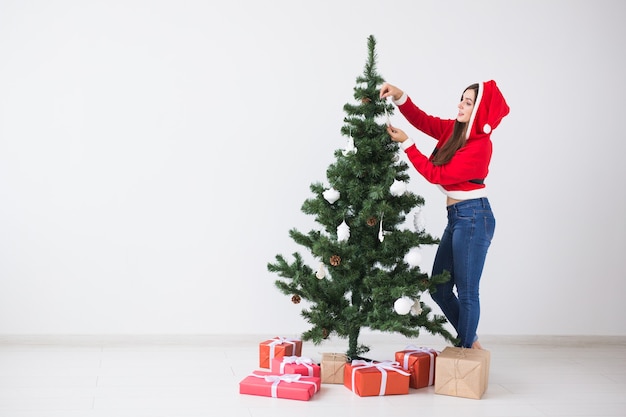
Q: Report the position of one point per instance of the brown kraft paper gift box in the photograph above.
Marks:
(462, 372)
(333, 365)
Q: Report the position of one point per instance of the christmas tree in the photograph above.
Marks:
(368, 274)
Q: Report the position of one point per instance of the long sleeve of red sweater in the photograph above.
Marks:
(468, 163)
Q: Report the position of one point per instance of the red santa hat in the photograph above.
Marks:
(489, 109)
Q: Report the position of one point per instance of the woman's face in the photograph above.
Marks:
(466, 106)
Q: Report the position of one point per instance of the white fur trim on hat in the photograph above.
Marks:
(479, 97)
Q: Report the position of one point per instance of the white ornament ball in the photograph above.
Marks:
(403, 305)
(343, 232)
(331, 195)
(397, 188)
(413, 257)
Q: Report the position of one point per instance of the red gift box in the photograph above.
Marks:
(278, 347)
(420, 362)
(295, 365)
(289, 386)
(376, 378)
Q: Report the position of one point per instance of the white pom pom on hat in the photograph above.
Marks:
(487, 128)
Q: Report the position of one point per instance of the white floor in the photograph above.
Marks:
(199, 376)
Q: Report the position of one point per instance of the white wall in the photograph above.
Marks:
(154, 154)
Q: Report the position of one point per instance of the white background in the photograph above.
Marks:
(155, 154)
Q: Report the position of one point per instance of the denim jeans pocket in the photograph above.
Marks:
(490, 226)
(465, 213)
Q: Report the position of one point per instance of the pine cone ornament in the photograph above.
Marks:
(372, 221)
(366, 100)
(296, 299)
(335, 260)
(325, 333)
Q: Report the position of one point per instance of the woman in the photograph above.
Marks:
(458, 165)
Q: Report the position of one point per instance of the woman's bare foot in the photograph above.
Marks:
(476, 345)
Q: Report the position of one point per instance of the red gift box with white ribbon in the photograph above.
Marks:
(366, 378)
(278, 347)
(295, 365)
(288, 386)
(420, 362)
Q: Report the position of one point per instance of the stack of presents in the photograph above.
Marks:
(287, 374)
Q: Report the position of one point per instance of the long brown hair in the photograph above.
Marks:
(457, 139)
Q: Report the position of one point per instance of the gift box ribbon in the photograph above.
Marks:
(297, 360)
(431, 352)
(289, 378)
(383, 367)
(280, 341)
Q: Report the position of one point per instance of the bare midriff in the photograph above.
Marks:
(450, 201)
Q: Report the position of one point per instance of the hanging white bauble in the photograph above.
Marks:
(403, 305)
(397, 188)
(343, 231)
(381, 232)
(413, 257)
(331, 195)
(350, 148)
(416, 308)
(419, 222)
(321, 271)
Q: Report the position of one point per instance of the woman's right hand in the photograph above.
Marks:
(397, 135)
(388, 90)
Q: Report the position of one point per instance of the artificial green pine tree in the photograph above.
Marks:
(361, 276)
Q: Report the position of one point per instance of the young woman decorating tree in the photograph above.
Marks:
(458, 166)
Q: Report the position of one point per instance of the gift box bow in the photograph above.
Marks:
(279, 341)
(289, 378)
(297, 360)
(383, 367)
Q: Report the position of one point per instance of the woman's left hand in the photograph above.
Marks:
(397, 135)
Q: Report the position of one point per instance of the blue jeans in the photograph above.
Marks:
(462, 252)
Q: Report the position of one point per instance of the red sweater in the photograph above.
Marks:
(461, 177)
